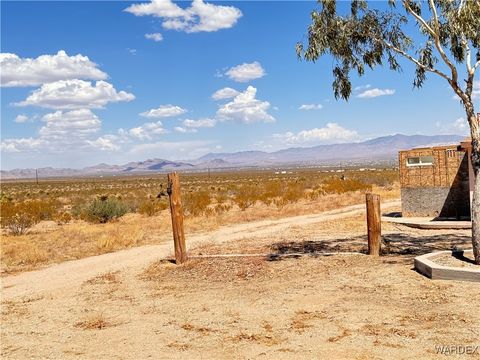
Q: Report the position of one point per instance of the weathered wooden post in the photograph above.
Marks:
(374, 224)
(173, 190)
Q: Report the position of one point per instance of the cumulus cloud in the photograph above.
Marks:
(332, 132)
(62, 129)
(157, 37)
(225, 93)
(310, 107)
(184, 130)
(200, 16)
(245, 108)
(202, 123)
(147, 131)
(69, 124)
(75, 94)
(105, 143)
(22, 118)
(22, 144)
(246, 72)
(22, 72)
(362, 87)
(192, 126)
(164, 111)
(457, 126)
(372, 93)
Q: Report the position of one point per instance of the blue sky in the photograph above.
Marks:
(90, 82)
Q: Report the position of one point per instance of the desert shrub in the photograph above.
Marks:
(63, 217)
(294, 191)
(78, 210)
(271, 191)
(150, 207)
(16, 217)
(222, 204)
(246, 196)
(339, 186)
(196, 203)
(104, 210)
(221, 208)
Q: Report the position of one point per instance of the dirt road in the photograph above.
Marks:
(72, 274)
(130, 305)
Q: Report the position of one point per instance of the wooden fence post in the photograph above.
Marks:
(374, 224)
(173, 190)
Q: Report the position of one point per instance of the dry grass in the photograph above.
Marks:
(337, 307)
(216, 270)
(67, 240)
(96, 321)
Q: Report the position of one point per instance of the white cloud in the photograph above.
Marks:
(147, 131)
(458, 126)
(105, 143)
(63, 130)
(246, 108)
(310, 107)
(225, 93)
(164, 111)
(476, 90)
(372, 93)
(69, 125)
(157, 37)
(200, 16)
(18, 72)
(362, 87)
(22, 118)
(332, 132)
(192, 126)
(184, 130)
(202, 123)
(246, 72)
(22, 144)
(75, 94)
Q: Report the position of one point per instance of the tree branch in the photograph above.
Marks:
(415, 61)
(438, 45)
(418, 17)
(468, 60)
(477, 64)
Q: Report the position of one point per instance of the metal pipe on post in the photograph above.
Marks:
(176, 210)
(374, 224)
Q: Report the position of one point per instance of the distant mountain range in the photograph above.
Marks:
(379, 149)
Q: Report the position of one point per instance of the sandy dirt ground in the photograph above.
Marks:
(135, 304)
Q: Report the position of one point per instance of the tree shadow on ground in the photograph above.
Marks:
(398, 247)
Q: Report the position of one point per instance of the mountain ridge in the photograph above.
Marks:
(378, 149)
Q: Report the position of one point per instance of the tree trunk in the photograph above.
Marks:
(475, 133)
(476, 217)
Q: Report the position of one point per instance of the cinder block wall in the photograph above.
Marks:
(439, 190)
(440, 202)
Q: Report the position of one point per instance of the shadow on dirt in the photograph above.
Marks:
(397, 246)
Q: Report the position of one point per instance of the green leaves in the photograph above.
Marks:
(367, 37)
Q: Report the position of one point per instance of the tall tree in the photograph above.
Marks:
(367, 37)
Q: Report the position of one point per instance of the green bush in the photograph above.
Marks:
(104, 210)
